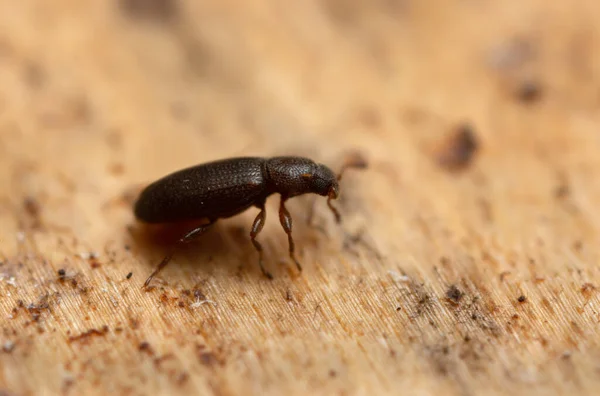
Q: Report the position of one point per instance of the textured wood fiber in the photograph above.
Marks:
(450, 275)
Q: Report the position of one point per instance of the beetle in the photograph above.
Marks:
(227, 187)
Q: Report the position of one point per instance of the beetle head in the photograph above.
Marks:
(355, 160)
(323, 182)
(293, 176)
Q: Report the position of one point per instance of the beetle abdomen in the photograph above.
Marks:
(213, 190)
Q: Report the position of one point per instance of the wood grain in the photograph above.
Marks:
(461, 268)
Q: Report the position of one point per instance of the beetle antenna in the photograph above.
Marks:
(354, 160)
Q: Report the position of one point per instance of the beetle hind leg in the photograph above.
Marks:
(193, 234)
(159, 268)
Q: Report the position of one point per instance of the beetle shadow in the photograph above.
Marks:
(224, 245)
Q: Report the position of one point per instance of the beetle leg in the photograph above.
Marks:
(193, 234)
(286, 223)
(338, 217)
(257, 226)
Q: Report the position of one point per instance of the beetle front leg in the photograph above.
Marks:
(286, 223)
(257, 226)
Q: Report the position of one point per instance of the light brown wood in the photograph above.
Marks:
(450, 274)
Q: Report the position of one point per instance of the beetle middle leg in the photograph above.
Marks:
(286, 223)
(193, 234)
(257, 226)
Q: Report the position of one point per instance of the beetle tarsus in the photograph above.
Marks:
(159, 268)
(264, 271)
(338, 217)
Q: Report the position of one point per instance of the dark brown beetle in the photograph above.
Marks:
(227, 187)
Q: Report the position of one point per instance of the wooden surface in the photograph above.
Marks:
(457, 270)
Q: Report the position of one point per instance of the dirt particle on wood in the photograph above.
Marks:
(33, 210)
(504, 275)
(562, 191)
(160, 359)
(208, 358)
(134, 323)
(88, 255)
(522, 299)
(420, 300)
(548, 306)
(198, 295)
(86, 336)
(43, 304)
(129, 275)
(588, 290)
(67, 384)
(453, 294)
(289, 297)
(458, 150)
(145, 347)
(95, 264)
(529, 91)
(164, 298)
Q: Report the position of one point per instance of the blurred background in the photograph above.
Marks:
(467, 262)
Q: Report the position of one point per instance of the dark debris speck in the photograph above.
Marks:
(459, 150)
(454, 294)
(85, 336)
(145, 346)
(529, 91)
